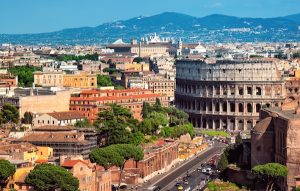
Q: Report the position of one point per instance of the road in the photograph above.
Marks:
(168, 182)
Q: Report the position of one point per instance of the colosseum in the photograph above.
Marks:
(227, 94)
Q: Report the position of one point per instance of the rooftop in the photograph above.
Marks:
(67, 115)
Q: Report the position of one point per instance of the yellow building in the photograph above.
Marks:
(188, 148)
(44, 153)
(143, 67)
(17, 181)
(48, 79)
(82, 80)
(25, 152)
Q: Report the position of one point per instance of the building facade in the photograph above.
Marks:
(63, 139)
(80, 80)
(58, 118)
(227, 94)
(91, 102)
(48, 79)
(276, 139)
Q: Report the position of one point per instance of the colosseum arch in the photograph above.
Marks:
(249, 108)
(258, 107)
(241, 107)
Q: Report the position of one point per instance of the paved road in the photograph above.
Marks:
(168, 182)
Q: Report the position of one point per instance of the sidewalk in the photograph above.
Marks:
(158, 178)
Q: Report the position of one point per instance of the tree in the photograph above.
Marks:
(116, 155)
(138, 59)
(83, 124)
(27, 119)
(270, 173)
(157, 106)
(223, 162)
(104, 81)
(146, 126)
(9, 113)
(145, 110)
(47, 177)
(6, 170)
(116, 124)
(25, 74)
(182, 130)
(157, 120)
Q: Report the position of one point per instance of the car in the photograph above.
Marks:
(203, 170)
(180, 187)
(199, 169)
(157, 188)
(186, 182)
(177, 184)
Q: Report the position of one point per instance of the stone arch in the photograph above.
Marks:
(258, 107)
(232, 124)
(241, 107)
(249, 124)
(224, 124)
(241, 125)
(249, 108)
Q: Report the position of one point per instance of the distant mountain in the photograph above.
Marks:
(212, 28)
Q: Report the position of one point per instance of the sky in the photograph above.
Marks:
(36, 16)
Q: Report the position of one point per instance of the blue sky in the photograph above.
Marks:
(33, 16)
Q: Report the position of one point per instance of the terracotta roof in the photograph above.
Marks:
(114, 97)
(17, 148)
(54, 128)
(41, 161)
(71, 163)
(66, 115)
(97, 91)
(54, 137)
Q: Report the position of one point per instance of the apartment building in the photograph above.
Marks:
(91, 102)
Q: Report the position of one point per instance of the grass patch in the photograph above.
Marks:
(222, 186)
(213, 133)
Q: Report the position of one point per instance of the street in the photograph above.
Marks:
(168, 181)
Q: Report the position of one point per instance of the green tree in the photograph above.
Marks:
(138, 59)
(182, 130)
(167, 132)
(158, 120)
(176, 116)
(83, 124)
(146, 126)
(145, 110)
(223, 162)
(27, 119)
(137, 138)
(116, 155)
(9, 114)
(116, 124)
(157, 106)
(104, 81)
(270, 173)
(6, 170)
(47, 177)
(25, 74)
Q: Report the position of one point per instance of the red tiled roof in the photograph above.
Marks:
(97, 91)
(41, 161)
(114, 97)
(53, 137)
(71, 163)
(66, 115)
